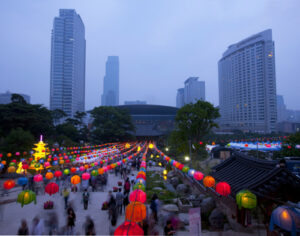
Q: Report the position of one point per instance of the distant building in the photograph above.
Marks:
(180, 98)
(5, 98)
(137, 102)
(110, 96)
(192, 92)
(67, 74)
(247, 85)
(288, 127)
(281, 109)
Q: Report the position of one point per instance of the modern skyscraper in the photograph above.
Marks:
(110, 96)
(67, 75)
(247, 85)
(281, 109)
(194, 90)
(180, 98)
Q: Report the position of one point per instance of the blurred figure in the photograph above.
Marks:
(53, 223)
(23, 230)
(119, 201)
(127, 186)
(66, 194)
(85, 199)
(89, 226)
(169, 230)
(71, 218)
(154, 206)
(125, 200)
(112, 226)
(37, 226)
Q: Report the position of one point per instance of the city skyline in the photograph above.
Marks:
(187, 44)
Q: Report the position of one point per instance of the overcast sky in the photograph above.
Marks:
(160, 43)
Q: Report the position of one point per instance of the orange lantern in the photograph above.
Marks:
(209, 181)
(75, 179)
(135, 212)
(8, 184)
(3, 162)
(61, 162)
(11, 169)
(49, 175)
(49, 159)
(9, 154)
(101, 171)
(86, 166)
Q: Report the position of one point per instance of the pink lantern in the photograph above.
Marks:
(38, 178)
(198, 175)
(138, 195)
(81, 168)
(47, 164)
(86, 176)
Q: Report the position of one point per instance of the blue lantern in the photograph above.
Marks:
(22, 181)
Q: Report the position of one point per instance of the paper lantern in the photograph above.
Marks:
(198, 175)
(51, 188)
(191, 172)
(73, 169)
(223, 188)
(86, 167)
(287, 218)
(135, 212)
(185, 169)
(26, 197)
(61, 162)
(138, 195)
(49, 175)
(47, 165)
(101, 171)
(11, 169)
(94, 173)
(209, 181)
(8, 184)
(22, 181)
(38, 178)
(141, 181)
(246, 199)
(86, 176)
(141, 173)
(81, 168)
(139, 186)
(129, 228)
(141, 177)
(66, 171)
(57, 173)
(75, 179)
(8, 154)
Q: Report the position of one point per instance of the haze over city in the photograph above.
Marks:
(159, 43)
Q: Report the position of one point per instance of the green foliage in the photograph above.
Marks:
(17, 98)
(17, 140)
(289, 146)
(111, 124)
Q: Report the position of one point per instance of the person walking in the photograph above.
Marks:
(23, 230)
(125, 200)
(127, 186)
(89, 226)
(71, 218)
(119, 200)
(154, 206)
(85, 199)
(66, 195)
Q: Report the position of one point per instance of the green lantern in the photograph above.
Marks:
(94, 173)
(25, 197)
(185, 169)
(139, 186)
(12, 164)
(66, 171)
(246, 199)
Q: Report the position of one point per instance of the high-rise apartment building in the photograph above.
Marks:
(247, 85)
(180, 98)
(194, 90)
(110, 96)
(67, 75)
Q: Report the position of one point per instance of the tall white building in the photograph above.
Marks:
(67, 74)
(247, 85)
(180, 98)
(110, 96)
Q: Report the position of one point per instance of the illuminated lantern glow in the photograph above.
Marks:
(185, 169)
(9, 184)
(135, 212)
(223, 188)
(66, 171)
(8, 155)
(49, 175)
(138, 195)
(73, 169)
(139, 186)
(141, 181)
(75, 179)
(246, 199)
(140, 176)
(57, 173)
(180, 167)
(151, 146)
(81, 168)
(209, 181)
(86, 176)
(94, 173)
(198, 175)
(51, 188)
(11, 169)
(25, 197)
(22, 181)
(100, 171)
(129, 228)
(38, 178)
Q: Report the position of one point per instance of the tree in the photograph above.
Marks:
(17, 98)
(193, 122)
(57, 115)
(67, 130)
(289, 146)
(111, 124)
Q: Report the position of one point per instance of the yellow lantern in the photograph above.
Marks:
(151, 145)
(11, 169)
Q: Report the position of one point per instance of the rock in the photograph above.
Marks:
(182, 189)
(170, 208)
(216, 219)
(183, 217)
(157, 188)
(171, 174)
(196, 199)
(170, 187)
(207, 205)
(174, 181)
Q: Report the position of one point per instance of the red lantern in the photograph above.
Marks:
(129, 228)
(223, 188)
(198, 175)
(57, 173)
(141, 176)
(73, 169)
(38, 178)
(8, 184)
(138, 195)
(51, 188)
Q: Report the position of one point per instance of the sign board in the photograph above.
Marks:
(195, 221)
